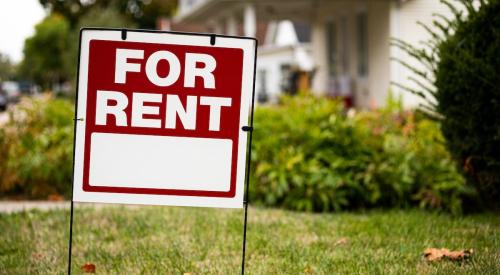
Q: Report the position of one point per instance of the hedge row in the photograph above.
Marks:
(36, 149)
(308, 154)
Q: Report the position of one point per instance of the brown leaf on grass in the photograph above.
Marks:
(37, 256)
(341, 241)
(436, 254)
(88, 268)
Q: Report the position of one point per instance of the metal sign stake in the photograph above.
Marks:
(249, 157)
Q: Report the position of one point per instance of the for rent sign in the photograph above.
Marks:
(160, 118)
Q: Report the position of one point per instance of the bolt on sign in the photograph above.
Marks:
(160, 118)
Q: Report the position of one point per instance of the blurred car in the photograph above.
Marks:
(3, 100)
(12, 91)
(28, 88)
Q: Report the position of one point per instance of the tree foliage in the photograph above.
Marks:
(7, 68)
(44, 52)
(143, 13)
(51, 54)
(461, 88)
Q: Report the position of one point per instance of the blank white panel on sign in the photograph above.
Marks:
(160, 162)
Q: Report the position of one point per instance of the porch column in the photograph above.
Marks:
(250, 20)
(320, 58)
(231, 25)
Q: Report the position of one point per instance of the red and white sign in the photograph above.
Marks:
(160, 117)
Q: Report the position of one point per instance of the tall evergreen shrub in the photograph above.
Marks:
(463, 88)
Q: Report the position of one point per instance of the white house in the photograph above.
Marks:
(282, 53)
(349, 50)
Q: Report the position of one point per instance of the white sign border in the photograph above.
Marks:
(248, 45)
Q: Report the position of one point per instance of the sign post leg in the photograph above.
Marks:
(249, 157)
(70, 238)
(244, 238)
(247, 184)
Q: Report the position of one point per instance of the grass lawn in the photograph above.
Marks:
(173, 240)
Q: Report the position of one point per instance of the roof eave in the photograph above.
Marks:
(198, 14)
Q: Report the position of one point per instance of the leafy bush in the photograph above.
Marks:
(309, 155)
(464, 92)
(469, 97)
(36, 148)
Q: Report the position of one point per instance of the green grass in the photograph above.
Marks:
(172, 240)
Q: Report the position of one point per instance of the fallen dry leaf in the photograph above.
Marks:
(37, 256)
(341, 241)
(88, 268)
(436, 254)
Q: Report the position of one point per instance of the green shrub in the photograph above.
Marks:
(36, 146)
(309, 155)
(467, 79)
(462, 90)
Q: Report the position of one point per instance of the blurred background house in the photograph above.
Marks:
(336, 48)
